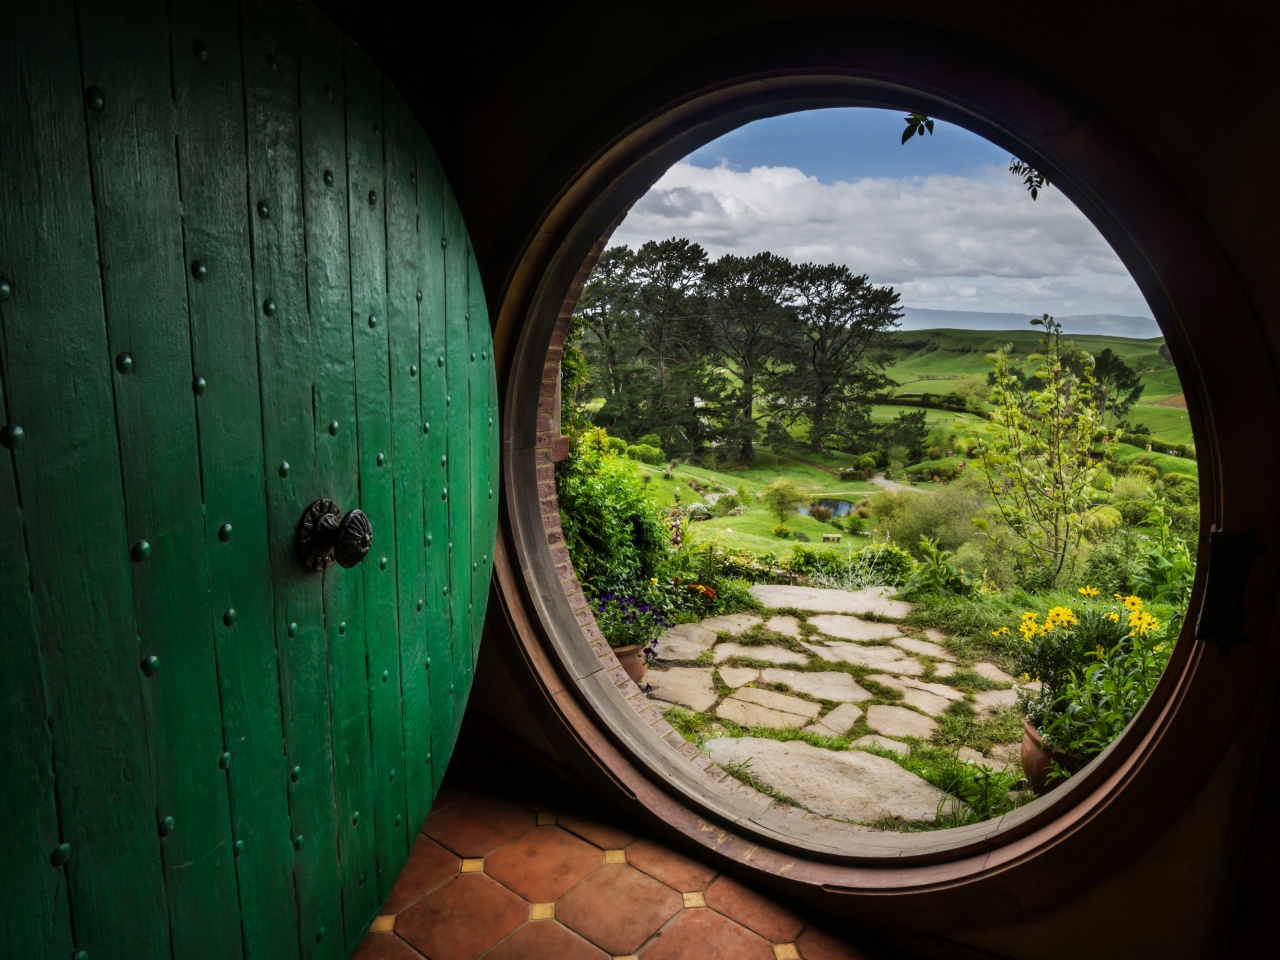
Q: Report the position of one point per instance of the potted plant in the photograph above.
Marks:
(631, 626)
(1061, 653)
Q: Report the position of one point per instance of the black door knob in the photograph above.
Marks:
(324, 535)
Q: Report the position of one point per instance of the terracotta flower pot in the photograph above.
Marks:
(1038, 760)
(632, 659)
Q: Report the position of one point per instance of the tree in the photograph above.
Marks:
(1038, 457)
(837, 358)
(606, 318)
(783, 498)
(746, 325)
(1118, 386)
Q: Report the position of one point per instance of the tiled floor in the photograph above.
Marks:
(502, 880)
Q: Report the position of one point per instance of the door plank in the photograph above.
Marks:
(139, 219)
(58, 382)
(431, 246)
(408, 450)
(483, 436)
(210, 120)
(324, 176)
(457, 350)
(286, 359)
(367, 203)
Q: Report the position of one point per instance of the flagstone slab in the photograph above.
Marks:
(884, 743)
(690, 687)
(900, 722)
(944, 669)
(731, 623)
(923, 647)
(888, 659)
(1006, 753)
(750, 707)
(968, 753)
(739, 676)
(788, 626)
(828, 685)
(992, 672)
(874, 600)
(988, 701)
(932, 698)
(687, 641)
(837, 722)
(724, 651)
(934, 635)
(853, 628)
(848, 784)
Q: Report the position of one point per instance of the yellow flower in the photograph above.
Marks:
(1100, 652)
(1113, 617)
(1088, 591)
(1060, 617)
(1141, 623)
(1002, 632)
(1132, 603)
(1027, 677)
(653, 579)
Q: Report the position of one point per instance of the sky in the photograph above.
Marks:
(939, 218)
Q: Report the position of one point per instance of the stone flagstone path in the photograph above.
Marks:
(845, 667)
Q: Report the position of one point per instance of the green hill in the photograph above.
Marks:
(937, 361)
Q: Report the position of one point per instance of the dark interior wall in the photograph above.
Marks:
(518, 100)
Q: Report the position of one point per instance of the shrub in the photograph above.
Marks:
(782, 498)
(645, 453)
(615, 536)
(877, 565)
(781, 531)
(1102, 522)
(1133, 511)
(1112, 565)
(820, 513)
(1130, 487)
(936, 575)
(801, 536)
(726, 505)
(946, 515)
(866, 462)
(617, 444)
(649, 440)
(1181, 489)
(1186, 521)
(856, 473)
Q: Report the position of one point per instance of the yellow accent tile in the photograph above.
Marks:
(383, 924)
(629, 956)
(473, 866)
(542, 911)
(615, 856)
(785, 951)
(695, 900)
(546, 818)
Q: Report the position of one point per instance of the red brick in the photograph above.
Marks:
(673, 869)
(618, 908)
(702, 934)
(544, 863)
(462, 919)
(737, 902)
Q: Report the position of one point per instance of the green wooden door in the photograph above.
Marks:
(233, 279)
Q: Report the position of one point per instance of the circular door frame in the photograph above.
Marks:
(1057, 846)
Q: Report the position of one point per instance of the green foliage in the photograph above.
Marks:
(617, 444)
(1098, 701)
(917, 125)
(646, 453)
(1168, 569)
(881, 564)
(1113, 565)
(783, 498)
(615, 535)
(1101, 523)
(1180, 489)
(1039, 459)
(626, 620)
(947, 515)
(1132, 512)
(781, 531)
(936, 574)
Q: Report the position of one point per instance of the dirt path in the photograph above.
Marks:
(885, 484)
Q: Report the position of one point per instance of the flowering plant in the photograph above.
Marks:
(628, 620)
(1057, 648)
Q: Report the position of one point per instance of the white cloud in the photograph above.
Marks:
(945, 242)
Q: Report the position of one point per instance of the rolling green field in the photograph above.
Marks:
(937, 361)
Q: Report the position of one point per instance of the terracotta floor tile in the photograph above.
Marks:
(462, 919)
(603, 835)
(671, 868)
(428, 866)
(544, 863)
(754, 911)
(816, 944)
(478, 827)
(705, 935)
(618, 908)
(384, 946)
(544, 940)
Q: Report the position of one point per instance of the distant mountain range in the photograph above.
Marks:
(918, 318)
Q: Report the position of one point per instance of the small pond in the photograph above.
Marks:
(838, 508)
